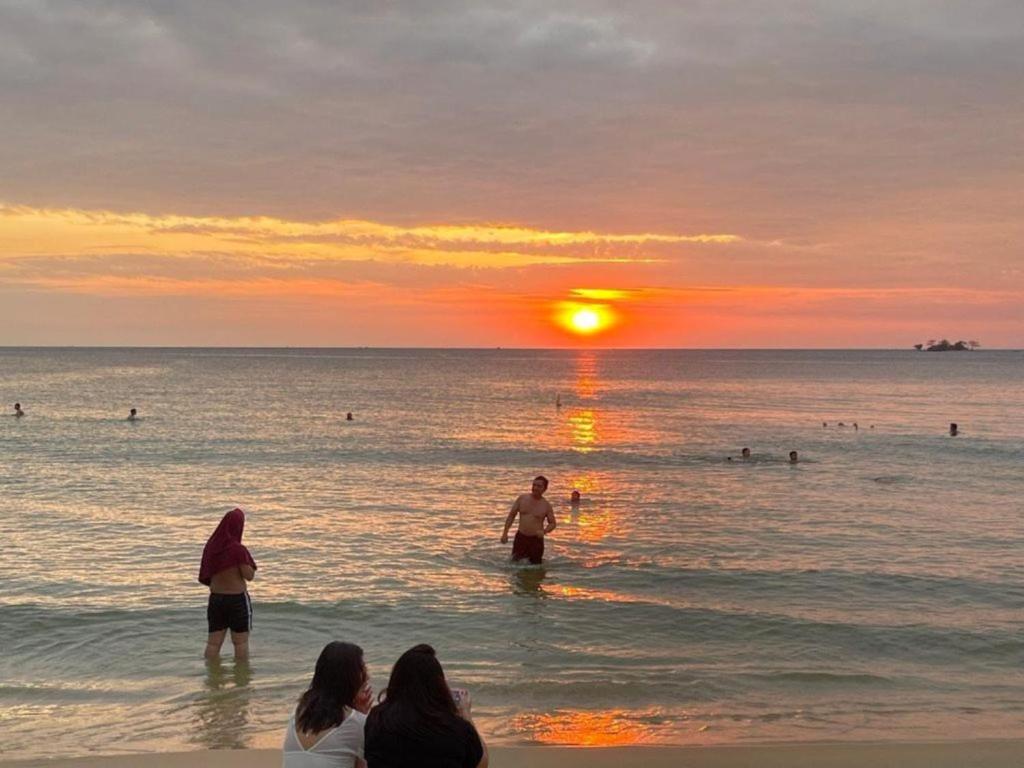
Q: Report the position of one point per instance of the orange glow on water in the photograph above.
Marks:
(589, 729)
(584, 430)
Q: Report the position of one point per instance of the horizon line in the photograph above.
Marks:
(484, 349)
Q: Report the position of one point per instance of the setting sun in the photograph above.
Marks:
(586, 320)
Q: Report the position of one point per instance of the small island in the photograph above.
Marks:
(945, 345)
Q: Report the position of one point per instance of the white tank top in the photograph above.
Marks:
(337, 748)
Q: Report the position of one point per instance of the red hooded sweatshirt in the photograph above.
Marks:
(224, 549)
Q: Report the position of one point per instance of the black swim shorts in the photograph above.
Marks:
(232, 612)
(528, 548)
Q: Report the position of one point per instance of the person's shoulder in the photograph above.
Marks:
(463, 726)
(356, 717)
(469, 736)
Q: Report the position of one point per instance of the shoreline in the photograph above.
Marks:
(995, 753)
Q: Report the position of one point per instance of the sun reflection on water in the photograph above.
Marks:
(583, 424)
(591, 729)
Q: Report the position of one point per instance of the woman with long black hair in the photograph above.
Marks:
(326, 730)
(418, 723)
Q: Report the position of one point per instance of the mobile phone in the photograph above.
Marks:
(461, 696)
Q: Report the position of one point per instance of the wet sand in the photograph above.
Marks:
(977, 754)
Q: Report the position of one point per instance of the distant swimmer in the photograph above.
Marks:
(536, 520)
(574, 498)
(793, 457)
(841, 424)
(954, 430)
(824, 425)
(348, 416)
(133, 415)
(558, 401)
(745, 453)
(855, 427)
(18, 413)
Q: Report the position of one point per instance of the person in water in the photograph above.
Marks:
(536, 520)
(793, 457)
(954, 430)
(225, 569)
(421, 722)
(18, 413)
(574, 498)
(745, 453)
(326, 730)
(348, 416)
(133, 415)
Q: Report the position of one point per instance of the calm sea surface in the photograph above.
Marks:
(874, 591)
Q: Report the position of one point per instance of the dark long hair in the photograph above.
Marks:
(339, 675)
(417, 700)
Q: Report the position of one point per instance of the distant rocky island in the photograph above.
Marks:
(947, 346)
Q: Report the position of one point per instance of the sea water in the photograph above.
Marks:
(872, 591)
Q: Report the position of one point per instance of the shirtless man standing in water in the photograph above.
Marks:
(536, 518)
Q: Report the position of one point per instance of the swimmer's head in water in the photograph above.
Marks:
(132, 411)
(793, 458)
(540, 484)
(575, 495)
(746, 453)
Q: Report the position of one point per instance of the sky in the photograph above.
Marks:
(710, 173)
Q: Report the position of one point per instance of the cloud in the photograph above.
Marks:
(40, 239)
(655, 145)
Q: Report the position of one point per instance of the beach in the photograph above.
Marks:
(688, 599)
(979, 754)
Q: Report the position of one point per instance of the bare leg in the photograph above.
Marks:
(241, 643)
(213, 644)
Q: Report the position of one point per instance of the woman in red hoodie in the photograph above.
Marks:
(225, 569)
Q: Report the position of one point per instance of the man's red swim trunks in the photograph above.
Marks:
(528, 548)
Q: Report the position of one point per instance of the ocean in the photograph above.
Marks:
(871, 592)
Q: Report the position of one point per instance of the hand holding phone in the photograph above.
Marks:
(463, 701)
(364, 699)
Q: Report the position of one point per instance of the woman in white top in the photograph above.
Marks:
(326, 730)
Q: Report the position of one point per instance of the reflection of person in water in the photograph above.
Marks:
(222, 707)
(529, 581)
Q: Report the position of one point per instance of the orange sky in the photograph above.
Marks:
(796, 175)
